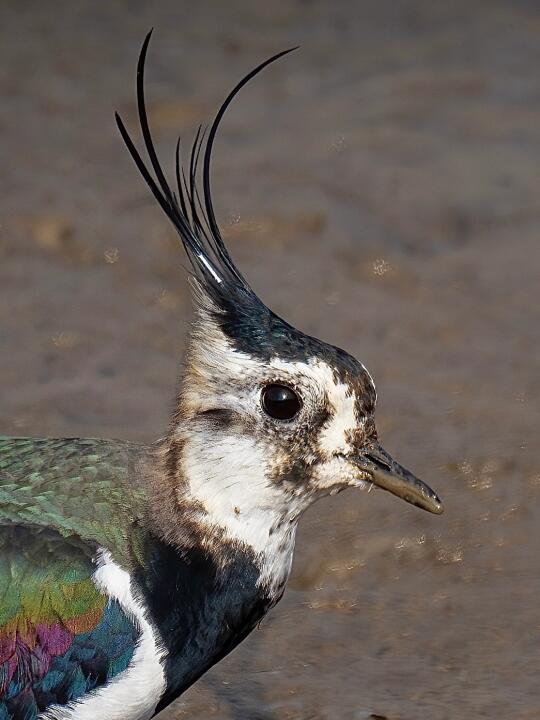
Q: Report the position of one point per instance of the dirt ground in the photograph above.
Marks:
(380, 189)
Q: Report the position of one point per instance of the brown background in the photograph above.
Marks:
(380, 188)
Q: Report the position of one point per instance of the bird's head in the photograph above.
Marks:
(268, 419)
(264, 402)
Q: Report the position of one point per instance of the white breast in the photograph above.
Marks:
(134, 693)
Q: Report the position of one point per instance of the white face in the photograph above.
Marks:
(253, 472)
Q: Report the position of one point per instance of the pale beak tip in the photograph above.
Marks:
(437, 508)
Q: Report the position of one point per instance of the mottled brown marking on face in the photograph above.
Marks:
(363, 434)
(354, 374)
(297, 451)
(172, 521)
(172, 459)
(220, 418)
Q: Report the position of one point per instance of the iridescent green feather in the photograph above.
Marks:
(45, 578)
(76, 486)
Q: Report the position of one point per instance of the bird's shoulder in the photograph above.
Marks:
(77, 486)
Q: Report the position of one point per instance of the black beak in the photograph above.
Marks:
(389, 475)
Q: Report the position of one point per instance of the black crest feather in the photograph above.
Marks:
(192, 215)
(250, 326)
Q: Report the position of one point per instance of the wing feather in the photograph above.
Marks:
(60, 636)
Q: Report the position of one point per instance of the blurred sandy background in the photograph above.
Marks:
(380, 188)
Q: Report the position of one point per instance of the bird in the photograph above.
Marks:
(128, 570)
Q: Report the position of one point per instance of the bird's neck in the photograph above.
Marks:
(219, 497)
(213, 560)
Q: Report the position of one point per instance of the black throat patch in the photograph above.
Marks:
(201, 608)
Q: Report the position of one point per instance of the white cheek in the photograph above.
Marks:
(228, 478)
(335, 473)
(333, 437)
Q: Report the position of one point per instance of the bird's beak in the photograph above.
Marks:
(389, 475)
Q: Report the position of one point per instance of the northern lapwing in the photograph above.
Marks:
(126, 571)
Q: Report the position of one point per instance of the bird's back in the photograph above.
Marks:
(76, 485)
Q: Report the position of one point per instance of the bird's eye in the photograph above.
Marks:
(280, 402)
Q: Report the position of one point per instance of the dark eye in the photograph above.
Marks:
(280, 402)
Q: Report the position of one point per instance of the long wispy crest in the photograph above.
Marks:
(192, 215)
